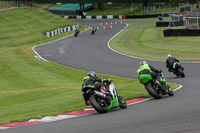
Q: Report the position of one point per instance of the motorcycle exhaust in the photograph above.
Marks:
(99, 94)
(158, 83)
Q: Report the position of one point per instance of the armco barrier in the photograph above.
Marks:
(58, 31)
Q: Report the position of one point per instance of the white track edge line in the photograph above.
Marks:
(2, 128)
(108, 44)
(74, 116)
(33, 48)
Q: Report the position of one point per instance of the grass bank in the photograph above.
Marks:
(149, 42)
(31, 88)
(140, 24)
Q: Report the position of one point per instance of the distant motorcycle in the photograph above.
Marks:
(102, 102)
(76, 33)
(93, 31)
(178, 69)
(156, 87)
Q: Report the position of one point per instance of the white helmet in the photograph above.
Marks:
(169, 55)
(143, 62)
(91, 73)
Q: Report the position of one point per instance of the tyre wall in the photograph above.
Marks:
(181, 32)
(166, 23)
(61, 30)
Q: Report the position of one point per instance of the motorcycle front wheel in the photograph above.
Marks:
(150, 87)
(98, 104)
(75, 35)
(180, 71)
(170, 91)
(122, 102)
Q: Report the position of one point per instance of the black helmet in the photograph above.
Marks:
(143, 62)
(91, 73)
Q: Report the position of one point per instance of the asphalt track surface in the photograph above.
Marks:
(177, 114)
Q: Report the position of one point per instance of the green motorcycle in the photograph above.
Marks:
(156, 87)
(102, 102)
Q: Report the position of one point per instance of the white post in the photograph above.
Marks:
(197, 20)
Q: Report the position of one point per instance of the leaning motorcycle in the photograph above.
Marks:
(93, 31)
(102, 102)
(178, 69)
(76, 33)
(156, 87)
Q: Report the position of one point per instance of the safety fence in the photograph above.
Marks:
(192, 19)
(61, 30)
(191, 25)
(175, 19)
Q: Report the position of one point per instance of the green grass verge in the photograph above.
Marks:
(24, 26)
(149, 42)
(31, 88)
(141, 24)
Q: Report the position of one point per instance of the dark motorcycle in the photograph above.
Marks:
(178, 69)
(93, 31)
(76, 33)
(102, 102)
(156, 87)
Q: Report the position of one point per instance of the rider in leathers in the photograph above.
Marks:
(77, 30)
(169, 63)
(95, 29)
(90, 79)
(145, 68)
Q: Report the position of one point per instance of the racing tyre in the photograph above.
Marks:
(170, 91)
(122, 102)
(98, 104)
(181, 72)
(75, 34)
(152, 91)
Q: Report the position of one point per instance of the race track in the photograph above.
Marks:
(177, 114)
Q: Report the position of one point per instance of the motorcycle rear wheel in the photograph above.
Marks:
(152, 91)
(99, 106)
